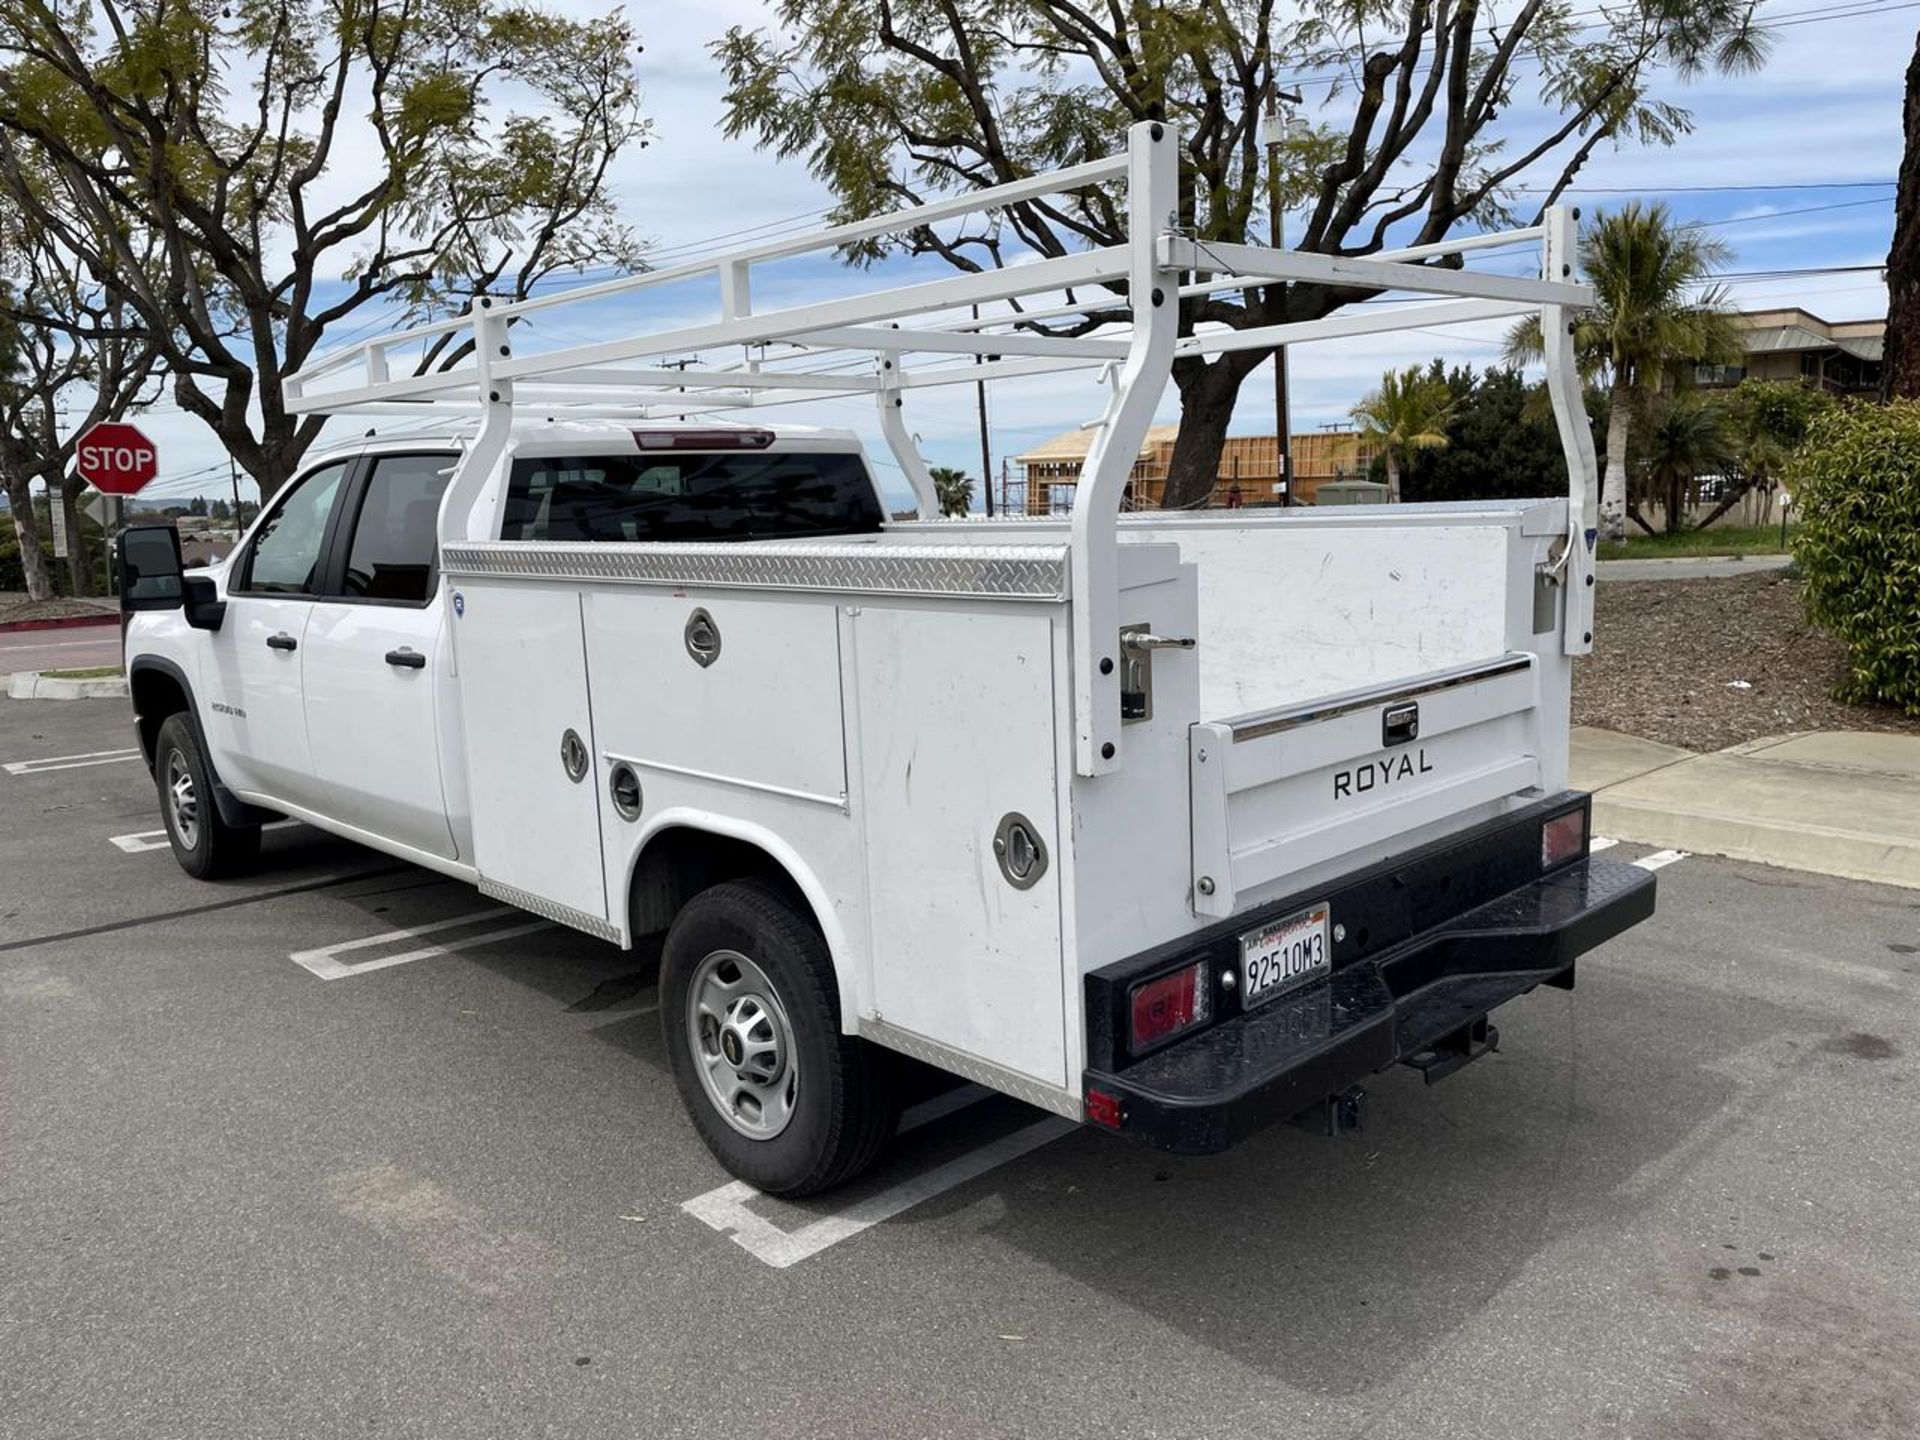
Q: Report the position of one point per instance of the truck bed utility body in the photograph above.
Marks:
(1179, 824)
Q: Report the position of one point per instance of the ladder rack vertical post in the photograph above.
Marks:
(1561, 227)
(893, 426)
(1153, 169)
(471, 507)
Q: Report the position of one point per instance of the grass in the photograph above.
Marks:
(1721, 540)
(92, 672)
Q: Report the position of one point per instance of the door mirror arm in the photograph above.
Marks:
(205, 609)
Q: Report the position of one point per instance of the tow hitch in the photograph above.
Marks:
(1454, 1049)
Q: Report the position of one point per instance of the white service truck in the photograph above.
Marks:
(1177, 824)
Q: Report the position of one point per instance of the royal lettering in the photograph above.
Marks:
(1358, 779)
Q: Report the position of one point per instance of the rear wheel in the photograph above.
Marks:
(751, 1014)
(204, 844)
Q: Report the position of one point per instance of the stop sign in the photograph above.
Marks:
(115, 459)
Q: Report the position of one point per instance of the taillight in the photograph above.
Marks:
(1562, 838)
(1105, 1109)
(1168, 1005)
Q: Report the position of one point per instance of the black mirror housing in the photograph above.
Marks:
(205, 609)
(150, 568)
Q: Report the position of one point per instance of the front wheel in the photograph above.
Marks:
(204, 844)
(751, 1015)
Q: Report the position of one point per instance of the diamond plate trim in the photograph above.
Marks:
(987, 572)
(970, 1067)
(551, 910)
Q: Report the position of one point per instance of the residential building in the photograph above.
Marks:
(1249, 471)
(1795, 344)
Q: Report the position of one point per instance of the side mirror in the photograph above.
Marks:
(150, 568)
(205, 608)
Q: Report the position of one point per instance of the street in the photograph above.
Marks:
(343, 1148)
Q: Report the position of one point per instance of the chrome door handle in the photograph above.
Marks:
(282, 641)
(405, 659)
(1143, 640)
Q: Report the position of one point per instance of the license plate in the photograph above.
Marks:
(1284, 955)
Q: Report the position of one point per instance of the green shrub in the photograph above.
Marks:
(1856, 488)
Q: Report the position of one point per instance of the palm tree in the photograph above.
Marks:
(953, 488)
(1654, 309)
(1687, 437)
(1409, 413)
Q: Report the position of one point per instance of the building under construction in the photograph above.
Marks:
(1249, 469)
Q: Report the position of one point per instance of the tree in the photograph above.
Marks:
(1502, 442)
(1432, 114)
(1687, 437)
(1654, 307)
(308, 162)
(1768, 421)
(1900, 369)
(76, 359)
(954, 488)
(1407, 415)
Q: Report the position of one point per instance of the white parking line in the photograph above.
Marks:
(725, 1209)
(324, 962)
(141, 841)
(1599, 843)
(69, 762)
(1660, 859)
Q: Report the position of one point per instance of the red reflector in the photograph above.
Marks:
(1170, 1004)
(714, 439)
(1563, 837)
(1105, 1109)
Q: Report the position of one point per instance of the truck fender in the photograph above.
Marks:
(785, 858)
(233, 810)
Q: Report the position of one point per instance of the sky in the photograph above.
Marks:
(1793, 167)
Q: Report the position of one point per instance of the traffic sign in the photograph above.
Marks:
(115, 458)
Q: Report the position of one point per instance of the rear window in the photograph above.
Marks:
(688, 497)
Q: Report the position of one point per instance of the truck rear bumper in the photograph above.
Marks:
(1421, 996)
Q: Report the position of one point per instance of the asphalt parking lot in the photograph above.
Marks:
(340, 1149)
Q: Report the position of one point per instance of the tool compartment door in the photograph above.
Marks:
(523, 686)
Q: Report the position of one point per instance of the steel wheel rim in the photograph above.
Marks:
(742, 1044)
(183, 801)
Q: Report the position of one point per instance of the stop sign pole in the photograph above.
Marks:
(116, 458)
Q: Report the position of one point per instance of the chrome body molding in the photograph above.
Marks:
(551, 910)
(970, 1067)
(1272, 722)
(987, 572)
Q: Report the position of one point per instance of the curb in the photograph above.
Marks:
(1819, 850)
(60, 622)
(32, 685)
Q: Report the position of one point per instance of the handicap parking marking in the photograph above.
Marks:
(141, 841)
(726, 1208)
(69, 762)
(325, 962)
(1660, 859)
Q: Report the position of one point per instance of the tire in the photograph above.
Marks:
(204, 844)
(745, 977)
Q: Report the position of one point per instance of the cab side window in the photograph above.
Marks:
(391, 557)
(285, 556)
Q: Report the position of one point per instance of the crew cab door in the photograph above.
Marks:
(253, 711)
(376, 657)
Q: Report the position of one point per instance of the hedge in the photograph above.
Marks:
(1855, 484)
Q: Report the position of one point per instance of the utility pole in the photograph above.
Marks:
(986, 457)
(233, 471)
(1275, 133)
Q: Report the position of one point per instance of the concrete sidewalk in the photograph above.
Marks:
(1836, 802)
(1690, 567)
